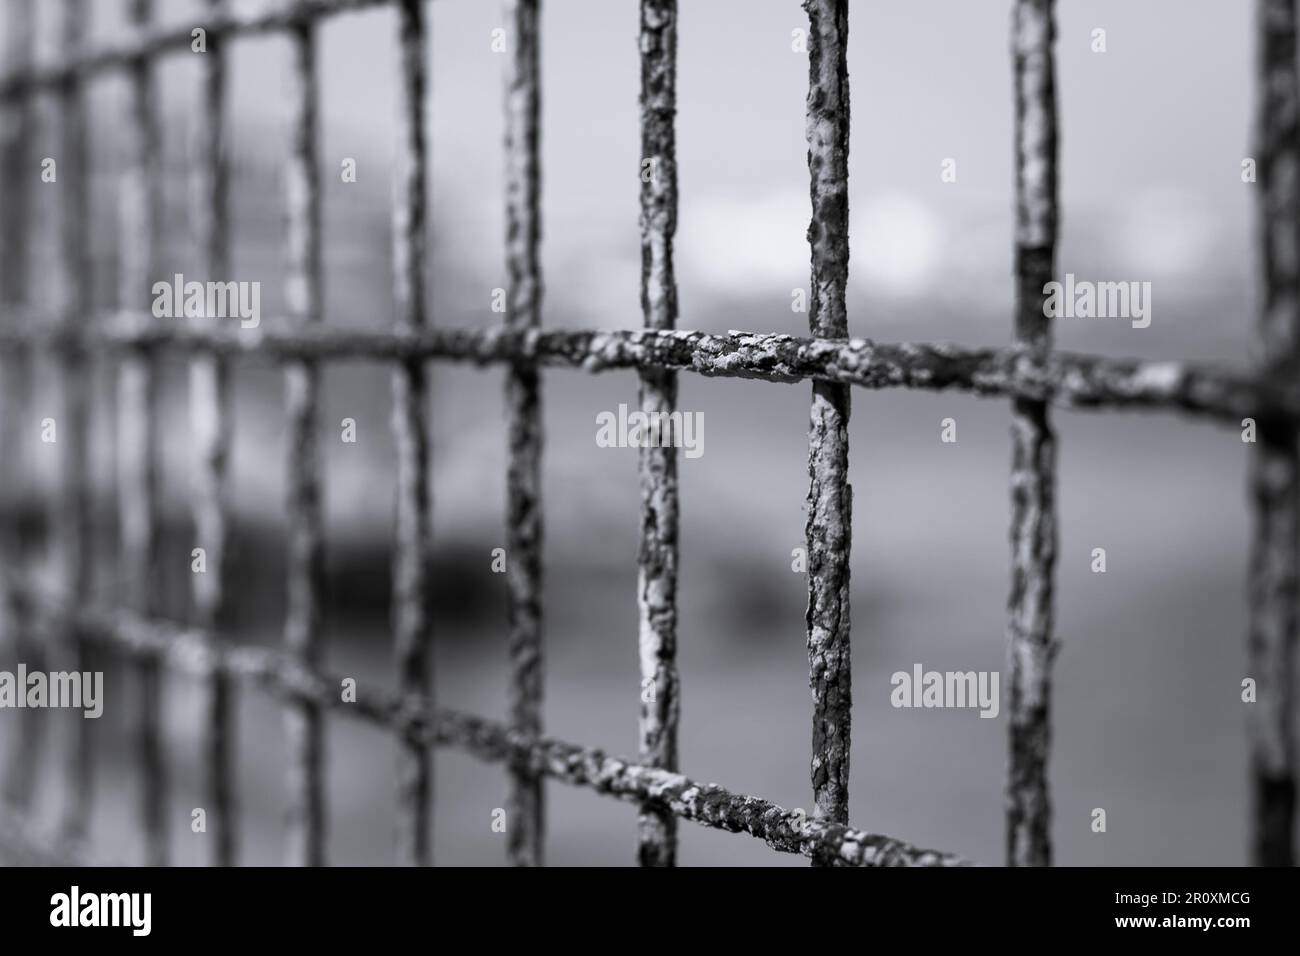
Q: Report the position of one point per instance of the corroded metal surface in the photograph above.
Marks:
(223, 21)
(1030, 642)
(830, 497)
(210, 417)
(657, 465)
(17, 148)
(304, 724)
(1275, 469)
(525, 799)
(1028, 373)
(70, 505)
(1067, 379)
(198, 652)
(141, 205)
(413, 524)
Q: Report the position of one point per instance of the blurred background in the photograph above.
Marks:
(1148, 722)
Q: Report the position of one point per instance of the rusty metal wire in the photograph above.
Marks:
(1066, 379)
(209, 384)
(70, 505)
(1029, 373)
(197, 652)
(411, 559)
(304, 725)
(525, 810)
(657, 465)
(17, 125)
(1275, 469)
(223, 22)
(830, 497)
(1030, 644)
(141, 205)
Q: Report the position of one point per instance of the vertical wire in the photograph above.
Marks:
(1030, 643)
(17, 132)
(525, 805)
(304, 720)
(830, 497)
(657, 556)
(410, 429)
(1275, 468)
(210, 421)
(137, 435)
(72, 507)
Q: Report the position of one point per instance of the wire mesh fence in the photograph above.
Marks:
(67, 624)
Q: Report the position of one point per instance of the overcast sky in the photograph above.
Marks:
(1154, 132)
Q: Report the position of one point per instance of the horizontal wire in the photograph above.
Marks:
(199, 653)
(1066, 379)
(149, 44)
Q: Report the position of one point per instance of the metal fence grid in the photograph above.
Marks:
(1029, 373)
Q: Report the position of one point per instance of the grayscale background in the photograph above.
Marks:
(1147, 722)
